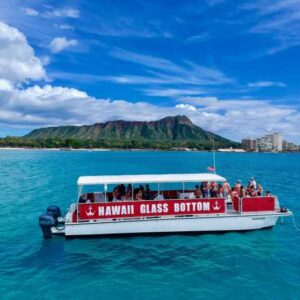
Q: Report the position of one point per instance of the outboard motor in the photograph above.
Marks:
(54, 211)
(46, 222)
(49, 220)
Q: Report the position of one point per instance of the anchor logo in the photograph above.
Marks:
(216, 206)
(90, 211)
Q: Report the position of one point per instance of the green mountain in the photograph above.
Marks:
(178, 131)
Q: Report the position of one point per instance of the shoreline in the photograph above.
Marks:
(133, 150)
(97, 149)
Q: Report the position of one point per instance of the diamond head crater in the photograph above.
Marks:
(173, 132)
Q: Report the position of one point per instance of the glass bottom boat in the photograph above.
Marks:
(165, 205)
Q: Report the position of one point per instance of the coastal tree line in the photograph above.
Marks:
(105, 143)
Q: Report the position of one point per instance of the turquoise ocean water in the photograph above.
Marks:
(255, 265)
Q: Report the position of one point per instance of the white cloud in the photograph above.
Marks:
(45, 60)
(146, 60)
(172, 92)
(238, 118)
(5, 85)
(199, 101)
(58, 44)
(266, 84)
(48, 105)
(163, 71)
(17, 60)
(53, 13)
(51, 106)
(65, 26)
(278, 20)
(118, 25)
(198, 38)
(186, 107)
(66, 12)
(31, 12)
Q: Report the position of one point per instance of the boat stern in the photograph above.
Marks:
(52, 222)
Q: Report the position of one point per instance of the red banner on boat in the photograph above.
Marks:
(131, 209)
(255, 204)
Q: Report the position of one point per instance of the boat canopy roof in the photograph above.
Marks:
(149, 178)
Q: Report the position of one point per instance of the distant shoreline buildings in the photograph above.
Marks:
(269, 143)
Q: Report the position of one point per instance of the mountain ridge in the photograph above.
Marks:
(172, 130)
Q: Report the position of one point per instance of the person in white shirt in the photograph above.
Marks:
(159, 196)
(226, 189)
(252, 183)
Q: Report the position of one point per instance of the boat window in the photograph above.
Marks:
(91, 194)
(151, 191)
(187, 190)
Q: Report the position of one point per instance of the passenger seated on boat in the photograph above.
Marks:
(247, 193)
(82, 199)
(115, 194)
(123, 198)
(213, 190)
(141, 187)
(204, 189)
(220, 192)
(208, 184)
(260, 190)
(268, 193)
(122, 191)
(242, 192)
(212, 193)
(129, 191)
(233, 193)
(99, 197)
(197, 191)
(253, 192)
(139, 195)
(147, 193)
(90, 197)
(159, 196)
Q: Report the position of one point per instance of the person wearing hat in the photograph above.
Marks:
(252, 183)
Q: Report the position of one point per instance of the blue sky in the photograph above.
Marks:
(231, 66)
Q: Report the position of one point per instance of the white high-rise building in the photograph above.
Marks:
(265, 143)
(277, 141)
(270, 142)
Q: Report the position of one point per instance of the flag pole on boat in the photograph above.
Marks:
(214, 156)
(213, 168)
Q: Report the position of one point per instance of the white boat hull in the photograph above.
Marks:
(174, 225)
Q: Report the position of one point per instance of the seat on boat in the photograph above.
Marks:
(91, 197)
(170, 194)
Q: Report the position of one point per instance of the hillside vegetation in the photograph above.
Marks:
(169, 132)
